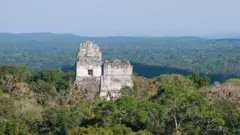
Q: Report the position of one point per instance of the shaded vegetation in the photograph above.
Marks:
(39, 97)
(45, 102)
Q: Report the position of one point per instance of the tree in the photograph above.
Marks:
(188, 111)
(199, 81)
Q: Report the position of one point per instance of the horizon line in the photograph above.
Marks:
(149, 36)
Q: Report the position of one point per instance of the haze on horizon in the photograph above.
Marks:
(122, 18)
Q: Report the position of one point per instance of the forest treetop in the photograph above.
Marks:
(217, 58)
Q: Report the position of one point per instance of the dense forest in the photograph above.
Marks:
(169, 97)
(48, 102)
(217, 58)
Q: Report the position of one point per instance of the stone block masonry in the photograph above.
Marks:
(97, 77)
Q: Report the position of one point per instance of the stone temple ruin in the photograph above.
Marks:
(101, 78)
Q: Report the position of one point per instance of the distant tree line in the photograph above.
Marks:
(218, 59)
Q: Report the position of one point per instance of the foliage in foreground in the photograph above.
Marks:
(45, 102)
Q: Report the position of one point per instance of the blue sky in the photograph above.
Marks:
(121, 17)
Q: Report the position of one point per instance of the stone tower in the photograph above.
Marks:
(89, 67)
(96, 77)
(116, 74)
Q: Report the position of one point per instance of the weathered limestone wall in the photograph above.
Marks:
(116, 74)
(96, 77)
(117, 68)
(82, 70)
(89, 85)
(89, 57)
(89, 51)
